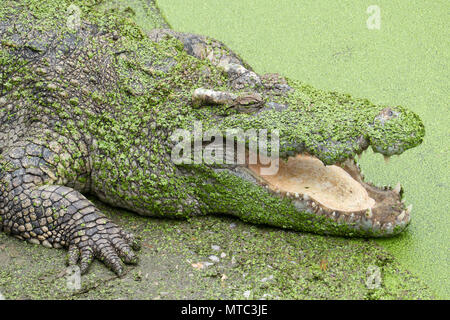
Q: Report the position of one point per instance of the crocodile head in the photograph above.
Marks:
(317, 185)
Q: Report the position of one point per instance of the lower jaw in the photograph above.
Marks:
(337, 193)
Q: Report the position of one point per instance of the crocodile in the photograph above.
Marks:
(90, 99)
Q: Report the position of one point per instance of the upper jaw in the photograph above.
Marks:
(326, 150)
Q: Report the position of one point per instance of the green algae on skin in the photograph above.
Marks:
(387, 66)
(103, 100)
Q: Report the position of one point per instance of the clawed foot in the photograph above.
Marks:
(106, 242)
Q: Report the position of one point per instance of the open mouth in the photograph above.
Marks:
(338, 192)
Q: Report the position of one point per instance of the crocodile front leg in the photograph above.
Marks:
(37, 205)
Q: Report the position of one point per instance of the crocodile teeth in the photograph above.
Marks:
(376, 226)
(313, 204)
(397, 188)
(306, 197)
(369, 213)
(401, 216)
(296, 195)
(288, 194)
(387, 227)
(407, 219)
(409, 209)
(366, 224)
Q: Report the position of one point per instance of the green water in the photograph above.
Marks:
(405, 62)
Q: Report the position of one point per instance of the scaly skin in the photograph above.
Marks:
(91, 110)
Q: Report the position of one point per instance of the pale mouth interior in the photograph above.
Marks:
(331, 186)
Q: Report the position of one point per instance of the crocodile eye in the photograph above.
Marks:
(386, 114)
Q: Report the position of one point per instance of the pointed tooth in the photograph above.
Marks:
(352, 216)
(288, 194)
(306, 197)
(407, 218)
(386, 159)
(296, 195)
(401, 216)
(376, 226)
(366, 224)
(369, 213)
(333, 215)
(397, 188)
(409, 209)
(387, 227)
